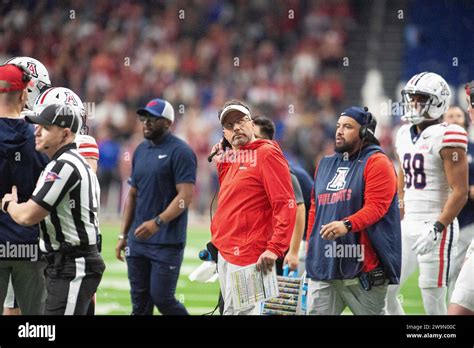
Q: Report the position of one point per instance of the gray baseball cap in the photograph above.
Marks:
(61, 115)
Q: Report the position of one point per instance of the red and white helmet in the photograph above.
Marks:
(434, 88)
(62, 95)
(39, 77)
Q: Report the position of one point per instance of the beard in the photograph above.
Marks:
(345, 147)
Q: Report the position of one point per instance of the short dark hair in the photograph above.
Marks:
(267, 127)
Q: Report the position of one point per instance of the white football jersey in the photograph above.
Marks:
(426, 186)
(87, 146)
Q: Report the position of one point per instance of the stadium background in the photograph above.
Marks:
(299, 62)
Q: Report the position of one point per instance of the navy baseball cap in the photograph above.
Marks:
(361, 115)
(61, 115)
(158, 108)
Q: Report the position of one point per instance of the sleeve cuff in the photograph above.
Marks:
(189, 181)
(41, 203)
(275, 251)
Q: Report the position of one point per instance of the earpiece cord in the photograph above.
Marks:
(210, 216)
(212, 202)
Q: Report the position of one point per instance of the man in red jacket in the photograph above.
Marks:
(256, 209)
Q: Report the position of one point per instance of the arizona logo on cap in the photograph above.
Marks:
(51, 176)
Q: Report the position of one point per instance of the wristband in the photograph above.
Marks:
(5, 207)
(122, 237)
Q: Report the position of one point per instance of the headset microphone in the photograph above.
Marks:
(211, 156)
(225, 145)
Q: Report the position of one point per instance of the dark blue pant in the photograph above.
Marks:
(153, 282)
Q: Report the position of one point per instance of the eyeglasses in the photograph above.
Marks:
(241, 122)
(150, 119)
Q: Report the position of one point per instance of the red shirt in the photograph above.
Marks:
(380, 186)
(256, 208)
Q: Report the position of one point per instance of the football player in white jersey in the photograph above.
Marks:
(432, 188)
(462, 299)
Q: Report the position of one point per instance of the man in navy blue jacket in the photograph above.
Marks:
(354, 237)
(20, 165)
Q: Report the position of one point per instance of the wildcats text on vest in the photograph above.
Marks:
(337, 184)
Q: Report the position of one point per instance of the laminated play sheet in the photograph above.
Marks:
(250, 286)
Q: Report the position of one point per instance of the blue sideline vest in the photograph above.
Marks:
(341, 183)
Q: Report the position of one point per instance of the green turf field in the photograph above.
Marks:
(113, 296)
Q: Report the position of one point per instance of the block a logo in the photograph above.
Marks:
(339, 181)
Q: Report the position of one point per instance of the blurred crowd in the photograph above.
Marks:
(281, 57)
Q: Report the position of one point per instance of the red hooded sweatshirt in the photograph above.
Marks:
(256, 208)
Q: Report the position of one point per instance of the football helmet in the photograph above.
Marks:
(39, 77)
(62, 95)
(436, 91)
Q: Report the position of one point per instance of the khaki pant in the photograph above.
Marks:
(224, 269)
(331, 298)
(28, 282)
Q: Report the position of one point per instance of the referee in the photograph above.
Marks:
(65, 204)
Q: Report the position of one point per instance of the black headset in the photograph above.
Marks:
(367, 131)
(26, 73)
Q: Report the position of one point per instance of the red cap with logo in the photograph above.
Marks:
(12, 78)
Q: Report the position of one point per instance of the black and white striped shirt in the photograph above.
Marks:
(69, 190)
